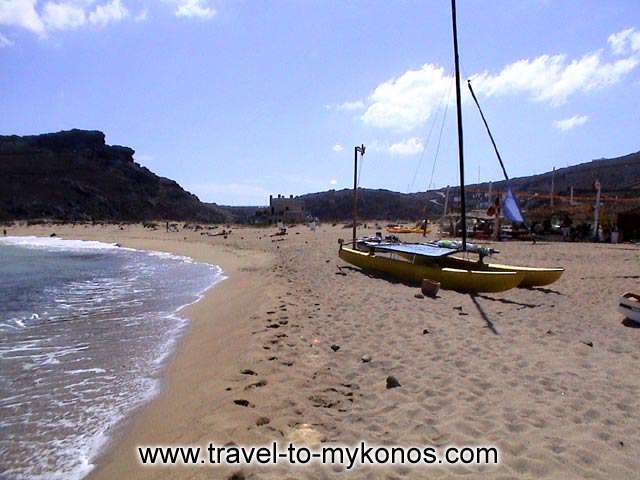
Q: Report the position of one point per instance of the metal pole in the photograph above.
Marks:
(446, 201)
(360, 149)
(424, 227)
(596, 212)
(553, 178)
(355, 192)
(459, 114)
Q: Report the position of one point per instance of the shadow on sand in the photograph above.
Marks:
(509, 302)
(372, 274)
(545, 290)
(381, 276)
(483, 314)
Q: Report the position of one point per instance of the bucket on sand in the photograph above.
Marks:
(430, 288)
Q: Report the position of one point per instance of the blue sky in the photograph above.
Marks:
(239, 99)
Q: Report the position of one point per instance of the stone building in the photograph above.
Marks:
(286, 209)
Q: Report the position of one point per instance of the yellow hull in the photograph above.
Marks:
(532, 276)
(407, 230)
(450, 278)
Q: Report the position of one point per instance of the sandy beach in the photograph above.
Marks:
(549, 375)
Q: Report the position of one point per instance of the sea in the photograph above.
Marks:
(84, 330)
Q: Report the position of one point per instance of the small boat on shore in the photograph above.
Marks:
(629, 306)
(413, 262)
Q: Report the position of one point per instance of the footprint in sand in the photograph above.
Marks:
(258, 384)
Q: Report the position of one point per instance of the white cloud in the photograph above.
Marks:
(410, 146)
(63, 16)
(346, 106)
(553, 78)
(194, 8)
(113, 11)
(625, 41)
(21, 13)
(142, 16)
(4, 41)
(571, 122)
(333, 181)
(350, 106)
(337, 147)
(408, 101)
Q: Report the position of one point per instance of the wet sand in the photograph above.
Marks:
(549, 375)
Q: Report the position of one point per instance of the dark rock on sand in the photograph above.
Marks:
(392, 382)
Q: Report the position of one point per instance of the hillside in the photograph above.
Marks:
(618, 176)
(75, 176)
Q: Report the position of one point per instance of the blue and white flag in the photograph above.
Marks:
(510, 208)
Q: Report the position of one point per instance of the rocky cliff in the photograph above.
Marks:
(74, 175)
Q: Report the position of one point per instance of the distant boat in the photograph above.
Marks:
(413, 262)
(418, 228)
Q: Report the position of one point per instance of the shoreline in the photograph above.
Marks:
(277, 352)
(211, 319)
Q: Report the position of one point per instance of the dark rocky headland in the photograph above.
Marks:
(75, 176)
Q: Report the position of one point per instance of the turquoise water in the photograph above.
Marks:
(84, 328)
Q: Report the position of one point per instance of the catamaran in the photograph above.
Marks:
(413, 262)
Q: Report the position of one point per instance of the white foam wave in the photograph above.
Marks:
(83, 448)
(56, 243)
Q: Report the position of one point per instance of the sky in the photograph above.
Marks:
(237, 99)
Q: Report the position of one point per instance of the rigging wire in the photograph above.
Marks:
(426, 144)
(437, 152)
(444, 102)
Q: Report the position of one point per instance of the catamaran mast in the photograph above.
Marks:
(463, 208)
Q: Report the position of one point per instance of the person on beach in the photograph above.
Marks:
(566, 228)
